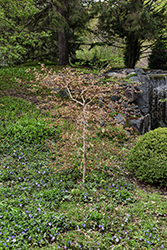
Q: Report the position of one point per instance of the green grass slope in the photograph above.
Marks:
(43, 203)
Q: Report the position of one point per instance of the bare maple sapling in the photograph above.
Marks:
(86, 91)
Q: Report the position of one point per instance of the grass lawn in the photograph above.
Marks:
(43, 202)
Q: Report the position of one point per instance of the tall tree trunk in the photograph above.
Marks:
(63, 47)
(63, 38)
(132, 52)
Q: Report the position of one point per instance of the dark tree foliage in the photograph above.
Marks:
(158, 57)
(133, 20)
(66, 18)
(48, 30)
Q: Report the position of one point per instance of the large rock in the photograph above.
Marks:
(141, 125)
(152, 112)
(130, 95)
(61, 91)
(153, 87)
(144, 86)
(120, 73)
(120, 119)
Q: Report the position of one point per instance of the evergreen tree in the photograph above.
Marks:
(57, 23)
(158, 57)
(135, 21)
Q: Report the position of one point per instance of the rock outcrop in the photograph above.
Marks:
(144, 87)
(151, 110)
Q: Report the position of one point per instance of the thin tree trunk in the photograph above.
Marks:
(63, 47)
(63, 39)
(84, 144)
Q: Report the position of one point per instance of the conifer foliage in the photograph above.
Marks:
(30, 27)
(158, 57)
(53, 30)
(135, 21)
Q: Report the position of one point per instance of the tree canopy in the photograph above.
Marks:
(133, 20)
(16, 39)
(27, 26)
(55, 29)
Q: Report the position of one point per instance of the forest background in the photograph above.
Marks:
(83, 31)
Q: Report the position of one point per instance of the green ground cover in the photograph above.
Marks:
(44, 205)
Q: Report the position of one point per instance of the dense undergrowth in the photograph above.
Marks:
(44, 204)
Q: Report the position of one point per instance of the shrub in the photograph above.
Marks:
(148, 158)
(100, 56)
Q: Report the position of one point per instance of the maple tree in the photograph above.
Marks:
(87, 93)
(85, 101)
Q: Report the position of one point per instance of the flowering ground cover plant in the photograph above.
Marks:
(43, 202)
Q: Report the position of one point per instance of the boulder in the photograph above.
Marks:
(115, 98)
(130, 95)
(140, 125)
(112, 74)
(120, 119)
(61, 91)
(128, 71)
(144, 87)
